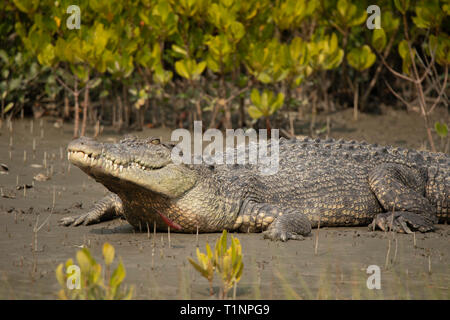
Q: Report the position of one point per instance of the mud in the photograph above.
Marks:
(160, 270)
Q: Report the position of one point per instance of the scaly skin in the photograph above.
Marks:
(340, 183)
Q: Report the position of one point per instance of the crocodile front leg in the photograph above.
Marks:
(400, 190)
(108, 208)
(279, 223)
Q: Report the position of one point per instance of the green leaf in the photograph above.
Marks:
(181, 69)
(212, 64)
(440, 45)
(96, 272)
(69, 262)
(233, 251)
(334, 60)
(108, 253)
(80, 71)
(333, 43)
(95, 83)
(343, 7)
(5, 73)
(264, 77)
(361, 58)
(421, 23)
(236, 31)
(144, 17)
(441, 129)
(265, 99)
(223, 241)
(255, 97)
(4, 56)
(104, 93)
(117, 276)
(47, 56)
(8, 107)
(297, 51)
(85, 260)
(428, 14)
(289, 14)
(208, 251)
(219, 52)
(277, 104)
(60, 275)
(100, 38)
(379, 39)
(202, 258)
(239, 272)
(403, 50)
(15, 83)
(197, 267)
(402, 5)
(189, 68)
(129, 295)
(358, 19)
(162, 76)
(446, 9)
(324, 54)
(389, 22)
(200, 68)
(254, 112)
(179, 50)
(26, 6)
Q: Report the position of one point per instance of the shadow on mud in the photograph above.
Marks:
(125, 229)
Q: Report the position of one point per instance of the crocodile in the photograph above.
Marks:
(319, 183)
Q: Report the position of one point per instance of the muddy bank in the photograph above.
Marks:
(159, 271)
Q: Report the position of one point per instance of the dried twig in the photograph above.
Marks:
(316, 246)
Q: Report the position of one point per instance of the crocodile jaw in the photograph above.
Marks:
(163, 177)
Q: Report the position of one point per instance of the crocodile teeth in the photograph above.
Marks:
(85, 156)
(115, 166)
(121, 168)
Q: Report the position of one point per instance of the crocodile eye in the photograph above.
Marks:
(155, 141)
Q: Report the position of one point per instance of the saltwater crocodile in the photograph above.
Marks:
(319, 182)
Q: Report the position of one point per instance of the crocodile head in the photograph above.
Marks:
(132, 164)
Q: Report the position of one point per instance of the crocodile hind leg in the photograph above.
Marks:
(278, 223)
(107, 208)
(400, 190)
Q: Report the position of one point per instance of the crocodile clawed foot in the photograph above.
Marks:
(277, 235)
(291, 225)
(84, 219)
(384, 223)
(107, 208)
(401, 222)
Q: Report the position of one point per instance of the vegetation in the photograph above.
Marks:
(92, 284)
(172, 62)
(227, 262)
